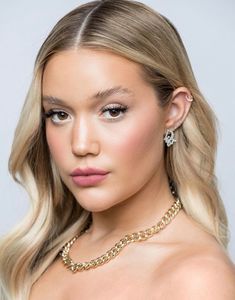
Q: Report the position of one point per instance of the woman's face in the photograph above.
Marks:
(101, 114)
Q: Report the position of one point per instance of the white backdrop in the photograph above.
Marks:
(207, 29)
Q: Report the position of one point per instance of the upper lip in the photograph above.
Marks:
(88, 171)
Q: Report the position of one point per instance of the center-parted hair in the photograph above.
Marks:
(140, 34)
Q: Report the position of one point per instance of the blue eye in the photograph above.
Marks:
(114, 112)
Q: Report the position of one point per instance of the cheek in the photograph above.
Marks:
(140, 145)
(56, 144)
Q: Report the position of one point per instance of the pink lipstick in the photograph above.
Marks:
(88, 177)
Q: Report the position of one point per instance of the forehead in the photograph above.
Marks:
(85, 70)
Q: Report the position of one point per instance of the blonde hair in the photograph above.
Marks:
(135, 31)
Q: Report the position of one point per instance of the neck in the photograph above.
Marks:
(142, 210)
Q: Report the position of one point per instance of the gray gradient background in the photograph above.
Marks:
(207, 29)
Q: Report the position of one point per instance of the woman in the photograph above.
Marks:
(116, 148)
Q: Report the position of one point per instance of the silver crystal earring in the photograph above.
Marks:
(169, 137)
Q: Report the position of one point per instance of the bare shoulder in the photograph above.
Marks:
(197, 268)
(208, 274)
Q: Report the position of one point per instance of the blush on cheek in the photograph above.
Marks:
(137, 154)
(56, 146)
(143, 145)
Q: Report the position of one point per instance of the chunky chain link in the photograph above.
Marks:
(114, 251)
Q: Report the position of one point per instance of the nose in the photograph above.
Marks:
(84, 138)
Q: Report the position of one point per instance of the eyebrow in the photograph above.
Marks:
(101, 95)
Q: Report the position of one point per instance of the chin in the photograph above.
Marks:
(99, 199)
(95, 207)
(93, 203)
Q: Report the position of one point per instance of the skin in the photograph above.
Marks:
(89, 138)
(134, 196)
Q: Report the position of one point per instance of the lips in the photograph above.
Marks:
(88, 171)
(88, 177)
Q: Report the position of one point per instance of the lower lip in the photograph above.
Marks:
(88, 180)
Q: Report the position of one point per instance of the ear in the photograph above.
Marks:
(178, 108)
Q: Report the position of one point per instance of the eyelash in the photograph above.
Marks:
(54, 112)
(113, 107)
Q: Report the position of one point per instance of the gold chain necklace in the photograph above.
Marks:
(114, 251)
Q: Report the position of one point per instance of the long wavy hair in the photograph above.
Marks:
(138, 33)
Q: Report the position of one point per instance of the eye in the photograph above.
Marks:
(114, 111)
(57, 116)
